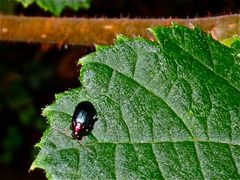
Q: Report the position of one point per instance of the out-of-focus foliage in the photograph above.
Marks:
(18, 110)
(57, 6)
(7, 6)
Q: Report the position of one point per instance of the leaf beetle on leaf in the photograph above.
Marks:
(84, 117)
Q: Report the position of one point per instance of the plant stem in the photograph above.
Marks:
(84, 31)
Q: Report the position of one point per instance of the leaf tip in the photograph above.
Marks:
(100, 47)
(81, 61)
(32, 167)
(230, 41)
(45, 111)
(154, 30)
(121, 38)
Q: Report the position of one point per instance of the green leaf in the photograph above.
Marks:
(168, 109)
(25, 3)
(57, 6)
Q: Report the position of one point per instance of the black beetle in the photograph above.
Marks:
(84, 117)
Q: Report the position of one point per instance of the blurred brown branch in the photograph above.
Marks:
(84, 31)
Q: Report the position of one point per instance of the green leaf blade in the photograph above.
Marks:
(210, 53)
(164, 112)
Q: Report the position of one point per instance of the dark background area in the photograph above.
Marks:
(30, 74)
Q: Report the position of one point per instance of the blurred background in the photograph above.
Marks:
(30, 74)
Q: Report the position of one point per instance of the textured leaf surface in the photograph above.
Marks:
(57, 6)
(168, 109)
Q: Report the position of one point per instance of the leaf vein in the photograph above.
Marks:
(199, 161)
(158, 165)
(233, 160)
(140, 85)
(206, 66)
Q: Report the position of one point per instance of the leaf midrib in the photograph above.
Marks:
(146, 142)
(85, 146)
(152, 143)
